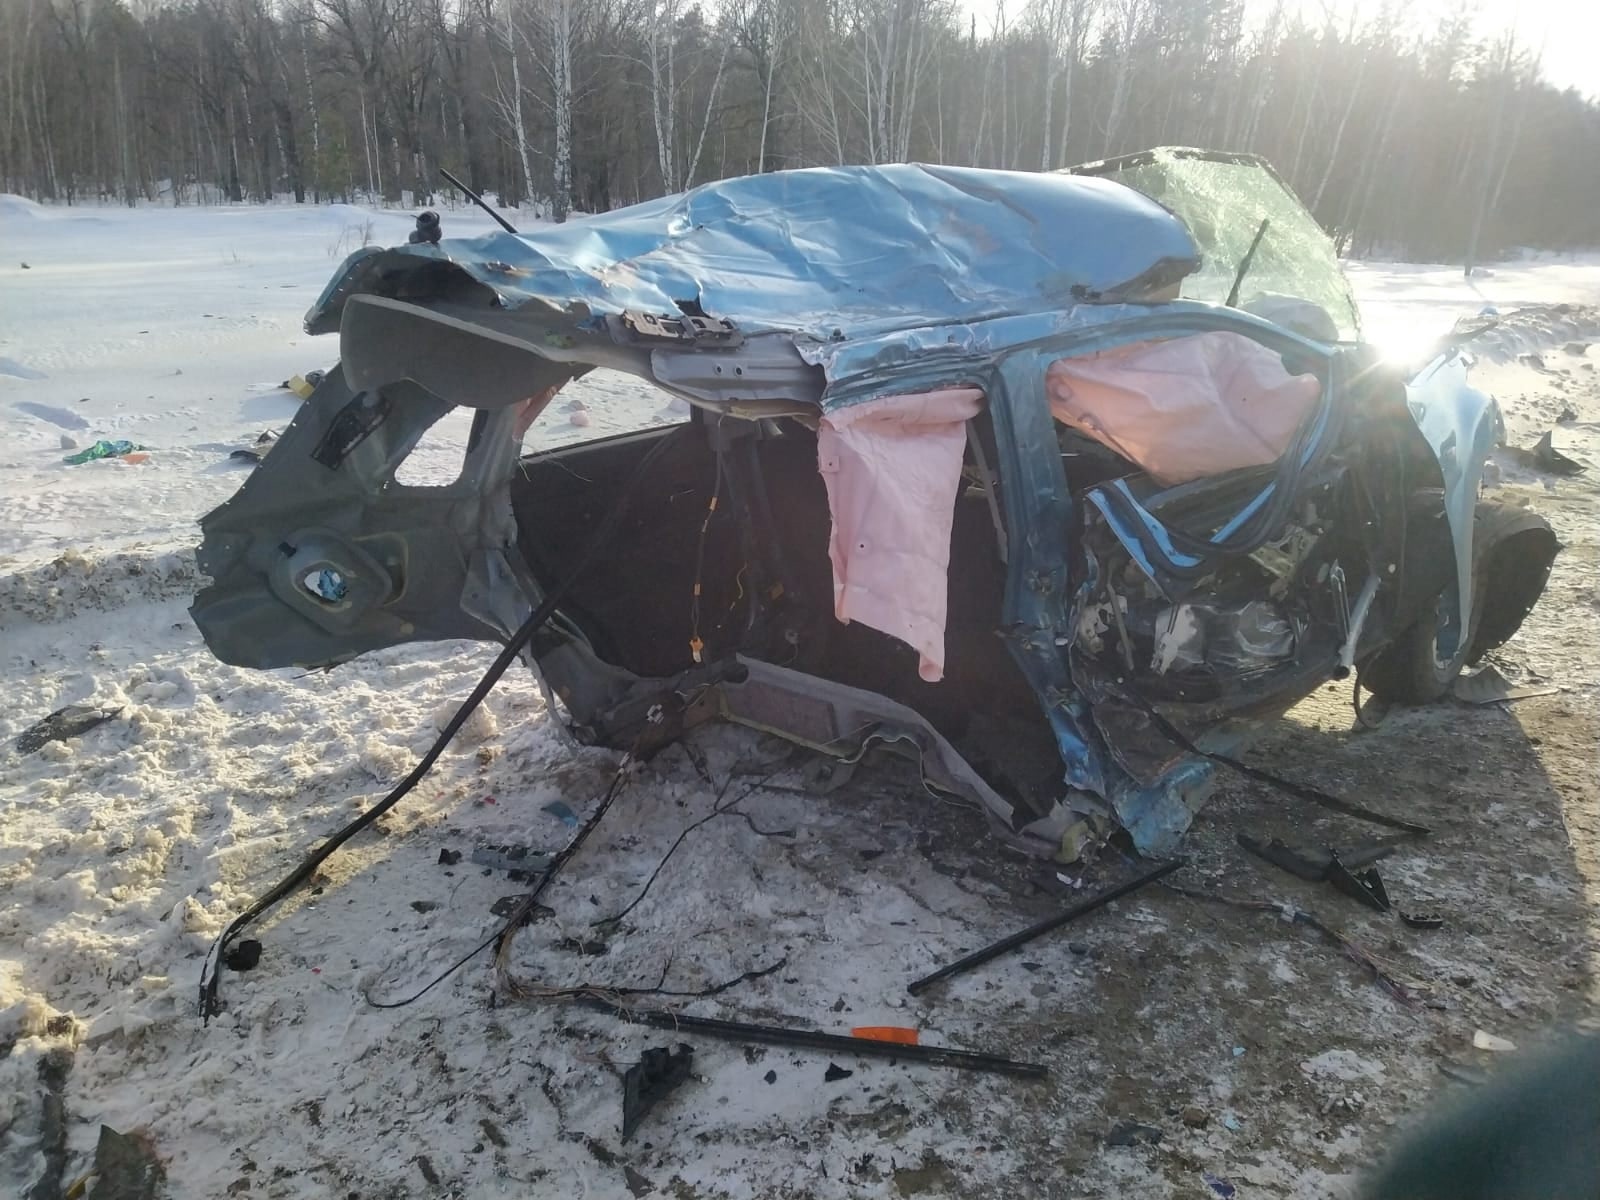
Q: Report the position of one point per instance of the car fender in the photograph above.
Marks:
(1461, 426)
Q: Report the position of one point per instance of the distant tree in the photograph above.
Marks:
(1444, 146)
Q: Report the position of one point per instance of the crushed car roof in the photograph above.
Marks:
(828, 252)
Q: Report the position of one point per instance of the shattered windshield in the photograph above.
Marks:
(1223, 198)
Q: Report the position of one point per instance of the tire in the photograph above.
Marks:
(1420, 666)
(1512, 547)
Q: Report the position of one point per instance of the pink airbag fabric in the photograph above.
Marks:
(1184, 408)
(892, 468)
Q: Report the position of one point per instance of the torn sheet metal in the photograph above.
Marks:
(1462, 425)
(1488, 686)
(831, 252)
(845, 722)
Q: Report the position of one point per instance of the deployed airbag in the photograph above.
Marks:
(892, 467)
(1187, 407)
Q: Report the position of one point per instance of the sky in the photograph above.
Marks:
(1565, 33)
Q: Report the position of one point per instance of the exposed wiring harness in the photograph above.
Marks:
(696, 645)
(210, 974)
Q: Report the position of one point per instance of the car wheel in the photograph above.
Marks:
(1423, 662)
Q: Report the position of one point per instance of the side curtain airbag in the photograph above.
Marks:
(892, 467)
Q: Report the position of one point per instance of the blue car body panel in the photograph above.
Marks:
(829, 253)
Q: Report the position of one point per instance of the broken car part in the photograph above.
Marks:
(1489, 686)
(1023, 936)
(659, 1072)
(1365, 887)
(1422, 920)
(1314, 864)
(1342, 869)
(520, 862)
(832, 1043)
(1545, 457)
(72, 721)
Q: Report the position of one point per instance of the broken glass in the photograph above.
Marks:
(1223, 199)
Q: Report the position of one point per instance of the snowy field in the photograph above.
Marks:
(125, 851)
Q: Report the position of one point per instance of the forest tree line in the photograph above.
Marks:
(1431, 145)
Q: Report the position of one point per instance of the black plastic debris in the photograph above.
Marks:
(1364, 886)
(1315, 863)
(69, 722)
(254, 454)
(520, 862)
(637, 1183)
(508, 905)
(834, 1073)
(449, 858)
(1132, 1133)
(657, 1074)
(771, 1077)
(244, 956)
(126, 1168)
(1319, 864)
(1545, 457)
(1552, 460)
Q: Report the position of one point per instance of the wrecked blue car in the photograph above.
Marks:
(1060, 483)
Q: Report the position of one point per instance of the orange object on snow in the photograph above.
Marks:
(886, 1033)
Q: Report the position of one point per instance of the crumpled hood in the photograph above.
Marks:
(827, 253)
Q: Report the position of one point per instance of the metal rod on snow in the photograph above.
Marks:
(1038, 928)
(837, 1043)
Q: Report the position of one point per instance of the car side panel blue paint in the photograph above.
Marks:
(828, 252)
(1461, 425)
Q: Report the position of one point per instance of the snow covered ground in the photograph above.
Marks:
(124, 852)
